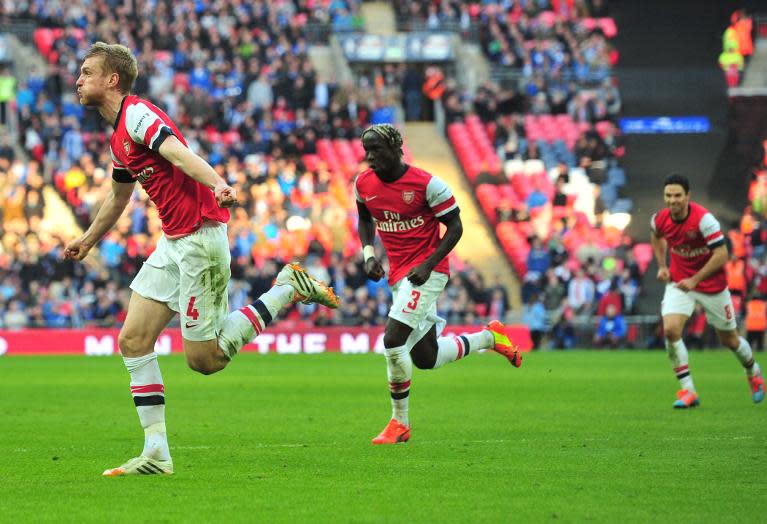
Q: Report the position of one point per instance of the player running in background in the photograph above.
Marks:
(406, 205)
(189, 271)
(698, 256)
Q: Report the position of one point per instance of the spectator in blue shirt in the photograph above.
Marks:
(612, 329)
(534, 316)
(536, 198)
(538, 259)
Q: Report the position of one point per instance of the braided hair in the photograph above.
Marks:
(388, 133)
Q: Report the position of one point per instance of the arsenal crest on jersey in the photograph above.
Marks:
(126, 146)
(691, 233)
(408, 196)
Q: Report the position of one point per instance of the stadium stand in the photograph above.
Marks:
(291, 151)
(541, 147)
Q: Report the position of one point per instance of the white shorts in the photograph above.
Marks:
(190, 275)
(718, 306)
(416, 306)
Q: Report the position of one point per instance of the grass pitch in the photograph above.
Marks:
(577, 436)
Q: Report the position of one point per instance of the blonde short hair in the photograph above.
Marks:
(117, 59)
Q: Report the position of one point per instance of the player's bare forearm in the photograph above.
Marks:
(366, 229)
(190, 163)
(659, 247)
(111, 210)
(453, 234)
(715, 263)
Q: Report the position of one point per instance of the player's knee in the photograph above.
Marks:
(422, 361)
(672, 332)
(133, 345)
(392, 340)
(730, 339)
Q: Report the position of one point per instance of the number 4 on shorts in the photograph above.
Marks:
(191, 311)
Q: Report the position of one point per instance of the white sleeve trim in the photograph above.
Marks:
(138, 119)
(437, 192)
(710, 226)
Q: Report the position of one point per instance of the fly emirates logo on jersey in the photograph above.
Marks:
(394, 222)
(686, 251)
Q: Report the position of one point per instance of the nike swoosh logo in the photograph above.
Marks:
(406, 311)
(368, 199)
(188, 325)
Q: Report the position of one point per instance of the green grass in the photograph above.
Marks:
(578, 436)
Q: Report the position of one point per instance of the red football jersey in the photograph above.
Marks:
(690, 243)
(182, 202)
(406, 214)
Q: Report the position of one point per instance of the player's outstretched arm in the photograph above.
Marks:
(659, 247)
(366, 230)
(109, 212)
(420, 273)
(175, 152)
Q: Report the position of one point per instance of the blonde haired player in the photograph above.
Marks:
(188, 272)
(406, 206)
(698, 256)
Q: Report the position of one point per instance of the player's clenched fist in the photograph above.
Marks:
(373, 269)
(226, 195)
(663, 274)
(77, 249)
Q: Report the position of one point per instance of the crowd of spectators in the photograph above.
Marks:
(237, 80)
(553, 156)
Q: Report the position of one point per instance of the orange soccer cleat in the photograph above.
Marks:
(757, 387)
(686, 399)
(503, 344)
(393, 433)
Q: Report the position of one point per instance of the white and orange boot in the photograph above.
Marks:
(308, 289)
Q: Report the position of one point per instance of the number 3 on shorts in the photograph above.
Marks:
(191, 311)
(416, 295)
(727, 312)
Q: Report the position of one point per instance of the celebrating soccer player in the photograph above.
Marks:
(406, 204)
(698, 256)
(189, 270)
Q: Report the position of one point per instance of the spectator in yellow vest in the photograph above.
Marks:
(7, 93)
(730, 39)
(730, 59)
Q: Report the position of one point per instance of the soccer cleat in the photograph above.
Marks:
(393, 433)
(686, 399)
(503, 344)
(142, 466)
(757, 387)
(308, 289)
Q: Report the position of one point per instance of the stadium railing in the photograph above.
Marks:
(408, 25)
(318, 32)
(22, 29)
(760, 24)
(515, 77)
